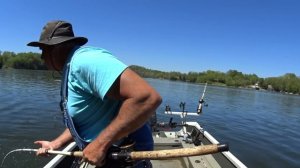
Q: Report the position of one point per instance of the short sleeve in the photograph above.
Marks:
(96, 70)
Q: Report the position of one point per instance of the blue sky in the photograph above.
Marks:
(251, 36)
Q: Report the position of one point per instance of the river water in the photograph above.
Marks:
(262, 128)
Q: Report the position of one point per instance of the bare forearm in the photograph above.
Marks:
(132, 115)
(140, 101)
(62, 139)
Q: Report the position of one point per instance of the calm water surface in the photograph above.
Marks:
(262, 128)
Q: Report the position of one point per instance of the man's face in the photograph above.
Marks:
(51, 55)
(46, 56)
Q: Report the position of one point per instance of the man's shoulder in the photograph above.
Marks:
(92, 57)
(89, 55)
(89, 51)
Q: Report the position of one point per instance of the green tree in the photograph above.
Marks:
(21, 60)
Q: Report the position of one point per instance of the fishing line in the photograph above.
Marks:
(17, 150)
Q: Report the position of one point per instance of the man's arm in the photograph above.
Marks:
(140, 101)
(60, 141)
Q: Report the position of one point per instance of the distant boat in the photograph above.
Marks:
(255, 86)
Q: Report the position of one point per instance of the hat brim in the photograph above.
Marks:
(58, 40)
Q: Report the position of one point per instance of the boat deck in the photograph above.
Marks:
(188, 137)
(161, 142)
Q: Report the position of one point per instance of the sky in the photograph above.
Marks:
(259, 37)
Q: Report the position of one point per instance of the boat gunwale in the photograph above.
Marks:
(228, 155)
(233, 159)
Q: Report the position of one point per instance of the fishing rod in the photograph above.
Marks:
(140, 155)
(201, 101)
(171, 153)
(53, 152)
(185, 113)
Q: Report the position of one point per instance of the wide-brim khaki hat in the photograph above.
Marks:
(57, 32)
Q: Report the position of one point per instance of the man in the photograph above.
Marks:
(106, 102)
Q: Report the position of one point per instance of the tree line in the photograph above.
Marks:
(22, 60)
(288, 83)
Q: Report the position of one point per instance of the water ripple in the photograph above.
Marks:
(262, 128)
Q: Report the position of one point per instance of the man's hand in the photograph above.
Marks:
(95, 154)
(61, 140)
(45, 145)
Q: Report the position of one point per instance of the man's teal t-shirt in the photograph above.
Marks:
(92, 72)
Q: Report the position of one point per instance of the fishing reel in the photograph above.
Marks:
(120, 155)
(200, 106)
